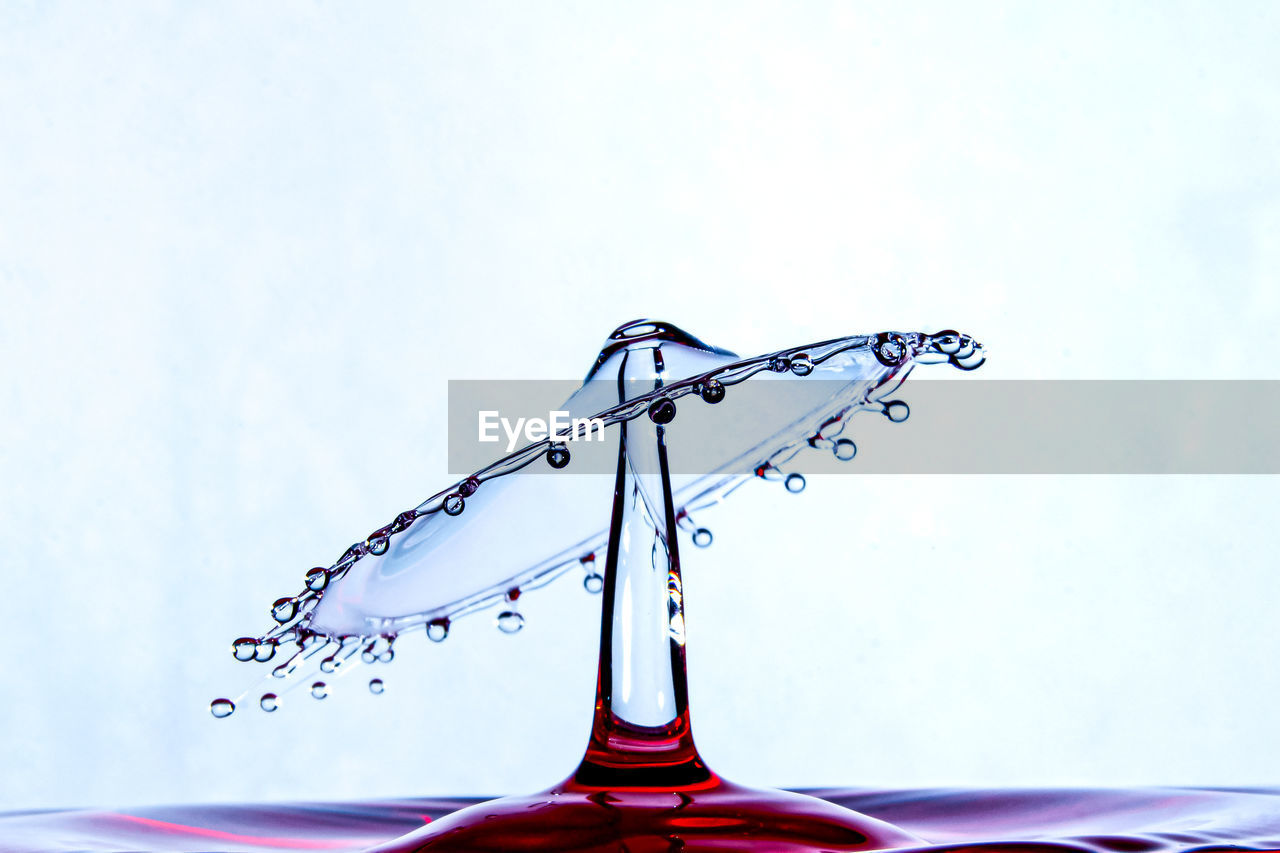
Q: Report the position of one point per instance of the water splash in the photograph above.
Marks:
(436, 562)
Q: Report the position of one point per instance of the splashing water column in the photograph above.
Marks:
(642, 784)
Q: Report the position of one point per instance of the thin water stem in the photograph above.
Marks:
(641, 734)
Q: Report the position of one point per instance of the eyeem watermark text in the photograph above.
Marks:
(556, 424)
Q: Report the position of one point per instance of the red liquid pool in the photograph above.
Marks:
(998, 821)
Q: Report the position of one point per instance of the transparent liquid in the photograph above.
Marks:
(445, 558)
(641, 785)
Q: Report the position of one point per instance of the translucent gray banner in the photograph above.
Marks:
(965, 426)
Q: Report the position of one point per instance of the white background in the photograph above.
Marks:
(243, 247)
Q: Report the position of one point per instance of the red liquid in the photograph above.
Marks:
(1162, 820)
(712, 816)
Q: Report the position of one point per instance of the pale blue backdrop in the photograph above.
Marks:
(243, 246)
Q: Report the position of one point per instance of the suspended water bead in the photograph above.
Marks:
(379, 545)
(317, 578)
(319, 690)
(801, 364)
(265, 651)
(947, 341)
(269, 702)
(388, 655)
(284, 609)
(970, 355)
(890, 349)
(510, 622)
(897, 411)
(437, 630)
(795, 483)
(221, 708)
(593, 581)
(662, 411)
(558, 456)
(375, 686)
(453, 504)
(845, 449)
(468, 487)
(244, 649)
(711, 390)
(330, 664)
(702, 537)
(283, 670)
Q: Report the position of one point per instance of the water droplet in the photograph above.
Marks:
(221, 708)
(319, 690)
(890, 349)
(368, 656)
(244, 648)
(702, 537)
(329, 664)
(845, 449)
(712, 391)
(947, 341)
(779, 364)
(795, 483)
(453, 505)
(437, 630)
(375, 686)
(388, 656)
(379, 546)
(282, 670)
(593, 583)
(284, 609)
(468, 487)
(897, 411)
(558, 456)
(269, 702)
(801, 364)
(265, 651)
(970, 356)
(317, 578)
(510, 622)
(662, 411)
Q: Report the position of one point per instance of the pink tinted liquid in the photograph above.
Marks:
(999, 821)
